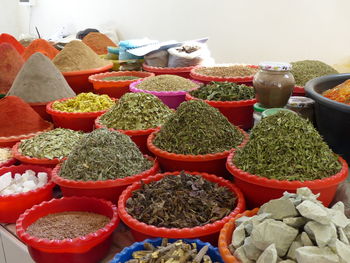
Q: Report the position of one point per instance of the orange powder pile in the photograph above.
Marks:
(98, 42)
(42, 46)
(6, 38)
(10, 64)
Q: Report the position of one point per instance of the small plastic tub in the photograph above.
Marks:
(247, 80)
(79, 80)
(208, 163)
(12, 140)
(259, 190)
(11, 206)
(115, 89)
(239, 113)
(32, 160)
(88, 249)
(181, 71)
(170, 98)
(299, 91)
(126, 253)
(139, 137)
(208, 232)
(107, 189)
(78, 121)
(225, 237)
(40, 108)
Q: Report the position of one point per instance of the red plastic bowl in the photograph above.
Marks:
(11, 206)
(9, 162)
(259, 190)
(108, 189)
(115, 89)
(248, 80)
(208, 163)
(78, 121)
(182, 72)
(239, 113)
(79, 80)
(225, 237)
(87, 249)
(208, 232)
(299, 91)
(32, 160)
(139, 137)
(40, 108)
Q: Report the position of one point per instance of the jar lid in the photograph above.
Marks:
(300, 102)
(273, 111)
(275, 66)
(258, 107)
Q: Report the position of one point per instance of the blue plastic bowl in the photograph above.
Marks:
(126, 253)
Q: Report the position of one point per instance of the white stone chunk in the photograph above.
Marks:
(29, 184)
(242, 219)
(30, 173)
(343, 251)
(238, 236)
(18, 176)
(269, 255)
(296, 222)
(273, 232)
(314, 211)
(279, 209)
(5, 180)
(342, 236)
(291, 252)
(256, 220)
(323, 234)
(305, 239)
(315, 254)
(338, 218)
(307, 194)
(287, 261)
(347, 231)
(240, 254)
(251, 251)
(7, 192)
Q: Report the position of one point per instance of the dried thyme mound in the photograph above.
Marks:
(180, 201)
(166, 83)
(305, 70)
(285, 146)
(136, 111)
(104, 155)
(227, 71)
(224, 91)
(57, 143)
(119, 78)
(197, 128)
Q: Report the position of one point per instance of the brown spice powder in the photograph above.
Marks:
(98, 42)
(227, 71)
(67, 225)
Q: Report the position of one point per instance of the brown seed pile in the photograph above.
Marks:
(67, 225)
(227, 71)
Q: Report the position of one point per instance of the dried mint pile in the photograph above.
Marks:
(284, 146)
(104, 155)
(224, 91)
(119, 78)
(197, 128)
(305, 70)
(166, 83)
(227, 71)
(180, 201)
(136, 111)
(57, 143)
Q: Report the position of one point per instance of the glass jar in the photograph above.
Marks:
(302, 105)
(273, 84)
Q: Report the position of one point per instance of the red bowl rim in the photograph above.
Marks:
(223, 104)
(33, 160)
(166, 69)
(47, 186)
(25, 136)
(288, 185)
(202, 77)
(87, 71)
(188, 157)
(43, 242)
(54, 112)
(225, 235)
(99, 125)
(104, 184)
(179, 232)
(98, 78)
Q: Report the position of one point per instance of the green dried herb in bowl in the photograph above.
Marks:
(224, 91)
(284, 146)
(197, 128)
(119, 78)
(136, 111)
(166, 83)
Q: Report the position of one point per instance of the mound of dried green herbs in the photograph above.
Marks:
(284, 146)
(57, 143)
(197, 128)
(136, 111)
(224, 91)
(305, 70)
(180, 201)
(166, 83)
(103, 155)
(119, 78)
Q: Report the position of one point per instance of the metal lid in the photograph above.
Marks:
(300, 102)
(275, 66)
(258, 107)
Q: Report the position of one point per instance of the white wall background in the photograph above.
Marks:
(239, 30)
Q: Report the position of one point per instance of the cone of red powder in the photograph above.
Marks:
(42, 46)
(6, 38)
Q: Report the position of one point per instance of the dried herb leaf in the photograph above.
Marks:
(166, 83)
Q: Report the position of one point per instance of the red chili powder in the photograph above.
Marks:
(42, 46)
(10, 64)
(6, 38)
(18, 118)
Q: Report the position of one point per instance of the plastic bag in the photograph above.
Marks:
(157, 58)
(343, 195)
